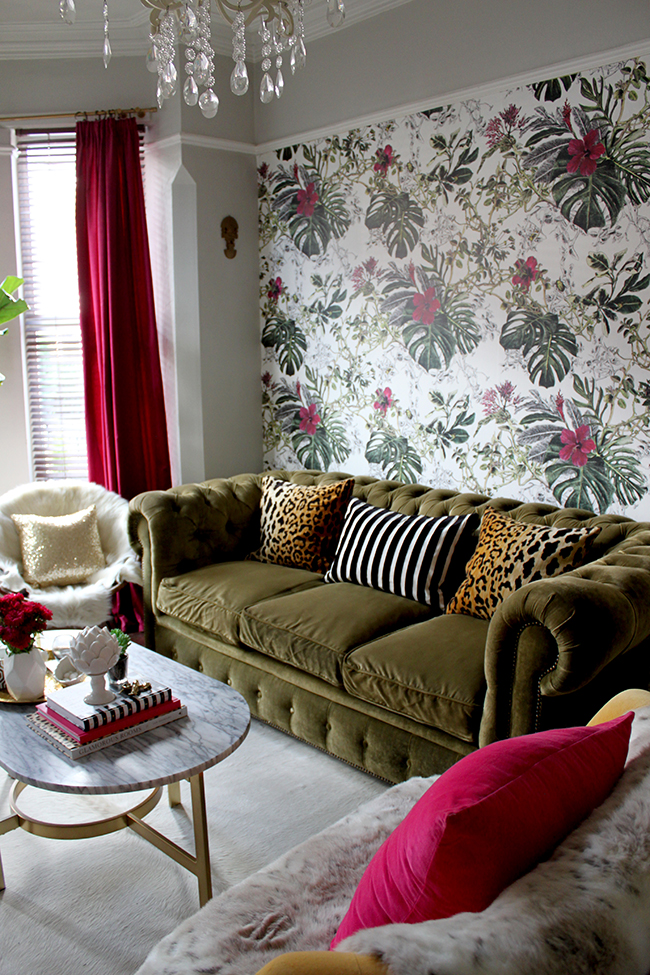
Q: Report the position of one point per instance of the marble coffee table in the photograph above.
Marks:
(217, 722)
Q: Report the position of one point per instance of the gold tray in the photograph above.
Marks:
(51, 684)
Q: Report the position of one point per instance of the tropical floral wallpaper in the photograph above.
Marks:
(460, 296)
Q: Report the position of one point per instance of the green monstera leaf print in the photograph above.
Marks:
(326, 444)
(435, 322)
(397, 458)
(553, 88)
(315, 432)
(579, 487)
(592, 165)
(311, 208)
(591, 473)
(288, 340)
(398, 217)
(588, 200)
(545, 342)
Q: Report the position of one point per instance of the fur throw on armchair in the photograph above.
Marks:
(87, 603)
(585, 911)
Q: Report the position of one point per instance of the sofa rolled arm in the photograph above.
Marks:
(554, 636)
(187, 527)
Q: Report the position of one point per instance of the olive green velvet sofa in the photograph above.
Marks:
(374, 678)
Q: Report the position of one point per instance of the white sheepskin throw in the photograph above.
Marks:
(71, 606)
(295, 904)
(585, 911)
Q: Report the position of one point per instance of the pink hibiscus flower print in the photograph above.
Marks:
(425, 306)
(577, 445)
(586, 153)
(525, 273)
(384, 400)
(384, 160)
(307, 200)
(275, 289)
(309, 419)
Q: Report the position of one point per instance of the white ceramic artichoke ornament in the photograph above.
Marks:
(94, 651)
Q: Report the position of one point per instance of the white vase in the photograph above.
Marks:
(3, 657)
(25, 675)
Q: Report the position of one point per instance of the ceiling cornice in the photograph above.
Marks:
(130, 34)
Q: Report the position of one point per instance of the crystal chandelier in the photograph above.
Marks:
(281, 28)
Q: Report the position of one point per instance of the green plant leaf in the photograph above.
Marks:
(398, 217)
(310, 233)
(587, 201)
(318, 450)
(580, 487)
(623, 467)
(397, 459)
(552, 89)
(453, 326)
(427, 343)
(631, 157)
(288, 340)
(545, 342)
(10, 307)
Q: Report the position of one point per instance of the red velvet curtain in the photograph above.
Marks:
(126, 427)
(125, 412)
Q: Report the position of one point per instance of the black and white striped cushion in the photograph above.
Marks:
(415, 556)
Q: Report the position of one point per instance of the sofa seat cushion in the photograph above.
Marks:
(212, 598)
(315, 628)
(433, 672)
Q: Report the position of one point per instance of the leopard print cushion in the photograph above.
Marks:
(509, 555)
(300, 525)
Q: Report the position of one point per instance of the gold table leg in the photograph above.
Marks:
(199, 864)
(12, 822)
(174, 793)
(201, 846)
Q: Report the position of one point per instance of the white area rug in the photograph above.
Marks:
(97, 906)
(586, 911)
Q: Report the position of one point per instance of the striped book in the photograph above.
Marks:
(64, 743)
(69, 702)
(113, 726)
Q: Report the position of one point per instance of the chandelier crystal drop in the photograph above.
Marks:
(107, 53)
(187, 22)
(68, 11)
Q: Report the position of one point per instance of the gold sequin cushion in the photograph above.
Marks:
(300, 524)
(59, 550)
(509, 555)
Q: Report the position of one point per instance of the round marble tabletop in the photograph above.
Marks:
(217, 722)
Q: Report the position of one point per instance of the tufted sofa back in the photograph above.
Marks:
(419, 499)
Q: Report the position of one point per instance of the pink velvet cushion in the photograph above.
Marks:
(486, 821)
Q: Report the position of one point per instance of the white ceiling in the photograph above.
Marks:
(34, 29)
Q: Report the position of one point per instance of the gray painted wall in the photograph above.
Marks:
(428, 48)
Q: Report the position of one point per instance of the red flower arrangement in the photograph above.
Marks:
(20, 621)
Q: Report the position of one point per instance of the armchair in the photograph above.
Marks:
(89, 602)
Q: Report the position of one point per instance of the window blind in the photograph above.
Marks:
(52, 333)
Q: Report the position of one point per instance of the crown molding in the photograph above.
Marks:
(584, 63)
(130, 34)
(203, 142)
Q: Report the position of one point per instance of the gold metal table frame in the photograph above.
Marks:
(198, 864)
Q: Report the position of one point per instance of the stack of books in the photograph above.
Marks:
(77, 728)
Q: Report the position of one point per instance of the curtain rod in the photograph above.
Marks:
(110, 112)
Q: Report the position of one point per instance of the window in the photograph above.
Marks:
(55, 390)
